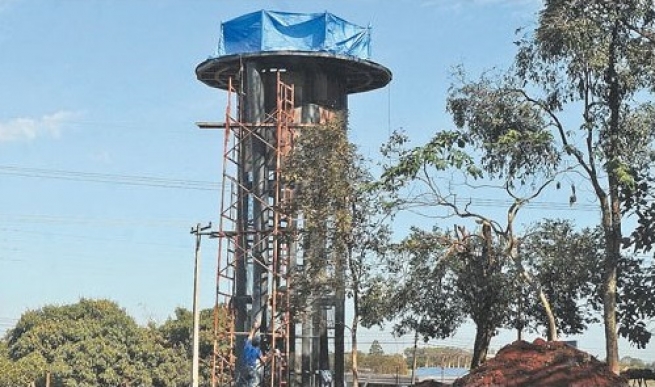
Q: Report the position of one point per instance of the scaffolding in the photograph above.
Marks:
(256, 239)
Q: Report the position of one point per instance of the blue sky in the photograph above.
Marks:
(103, 172)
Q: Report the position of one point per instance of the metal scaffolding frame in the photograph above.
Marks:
(256, 239)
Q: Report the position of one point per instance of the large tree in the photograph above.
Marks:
(442, 282)
(340, 230)
(577, 98)
(483, 283)
(569, 263)
(92, 343)
(592, 59)
(426, 177)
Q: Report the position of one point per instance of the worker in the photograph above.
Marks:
(251, 354)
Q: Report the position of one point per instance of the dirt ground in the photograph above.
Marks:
(541, 364)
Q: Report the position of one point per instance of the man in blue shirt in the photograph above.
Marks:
(251, 353)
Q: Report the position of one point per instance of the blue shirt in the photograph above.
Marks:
(251, 354)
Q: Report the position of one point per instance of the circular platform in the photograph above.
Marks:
(360, 75)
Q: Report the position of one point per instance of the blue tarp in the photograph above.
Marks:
(282, 31)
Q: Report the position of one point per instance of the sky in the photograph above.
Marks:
(103, 171)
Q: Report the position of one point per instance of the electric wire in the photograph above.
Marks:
(92, 238)
(204, 185)
(150, 181)
(76, 220)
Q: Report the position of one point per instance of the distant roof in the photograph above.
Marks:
(284, 31)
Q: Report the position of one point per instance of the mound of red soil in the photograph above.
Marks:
(541, 364)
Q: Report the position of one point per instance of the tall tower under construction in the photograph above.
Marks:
(282, 72)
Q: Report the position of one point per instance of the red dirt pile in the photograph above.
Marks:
(541, 364)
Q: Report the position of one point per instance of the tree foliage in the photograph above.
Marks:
(483, 282)
(321, 170)
(423, 297)
(446, 357)
(90, 343)
(635, 307)
(441, 283)
(413, 177)
(639, 201)
(341, 231)
(597, 56)
(376, 348)
(631, 362)
(576, 104)
(177, 332)
(568, 264)
(19, 373)
(389, 364)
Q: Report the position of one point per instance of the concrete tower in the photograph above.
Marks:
(287, 70)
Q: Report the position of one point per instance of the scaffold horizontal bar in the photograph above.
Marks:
(222, 125)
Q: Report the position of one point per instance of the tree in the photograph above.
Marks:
(376, 348)
(447, 281)
(368, 240)
(567, 262)
(340, 229)
(446, 357)
(508, 162)
(177, 331)
(639, 201)
(483, 284)
(382, 364)
(92, 343)
(19, 373)
(586, 57)
(595, 55)
(422, 299)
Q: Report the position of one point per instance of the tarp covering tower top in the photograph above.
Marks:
(283, 31)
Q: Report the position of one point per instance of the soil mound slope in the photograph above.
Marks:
(541, 364)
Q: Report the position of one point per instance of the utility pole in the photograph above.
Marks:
(197, 231)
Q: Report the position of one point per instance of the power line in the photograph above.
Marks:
(85, 237)
(150, 181)
(95, 221)
(203, 185)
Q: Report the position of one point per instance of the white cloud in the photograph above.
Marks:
(28, 129)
